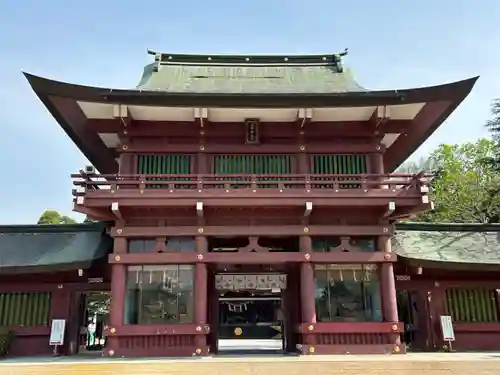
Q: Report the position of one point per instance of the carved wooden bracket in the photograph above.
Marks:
(253, 246)
(161, 246)
(345, 246)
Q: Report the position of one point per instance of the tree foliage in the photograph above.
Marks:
(54, 217)
(422, 165)
(493, 125)
(465, 185)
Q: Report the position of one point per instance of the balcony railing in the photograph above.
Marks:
(212, 182)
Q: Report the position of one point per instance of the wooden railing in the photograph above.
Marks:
(205, 182)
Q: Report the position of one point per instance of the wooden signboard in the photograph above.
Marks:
(57, 329)
(447, 329)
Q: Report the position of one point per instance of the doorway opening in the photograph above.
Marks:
(251, 322)
(408, 314)
(93, 322)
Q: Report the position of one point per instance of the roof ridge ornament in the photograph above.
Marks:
(260, 60)
(337, 60)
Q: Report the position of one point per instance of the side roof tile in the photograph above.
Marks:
(454, 243)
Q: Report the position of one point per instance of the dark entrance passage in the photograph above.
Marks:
(409, 314)
(94, 312)
(251, 322)
(249, 311)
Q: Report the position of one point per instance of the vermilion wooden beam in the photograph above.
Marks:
(265, 230)
(182, 129)
(160, 145)
(159, 329)
(367, 200)
(352, 327)
(251, 258)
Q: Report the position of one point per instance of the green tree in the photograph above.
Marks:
(54, 217)
(493, 124)
(421, 165)
(464, 183)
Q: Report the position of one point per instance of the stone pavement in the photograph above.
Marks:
(414, 364)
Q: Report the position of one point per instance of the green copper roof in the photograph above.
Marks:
(48, 247)
(38, 247)
(264, 74)
(456, 243)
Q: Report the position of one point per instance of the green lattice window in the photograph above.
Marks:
(472, 305)
(165, 164)
(338, 164)
(24, 309)
(253, 164)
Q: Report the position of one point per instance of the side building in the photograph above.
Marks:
(244, 192)
(50, 272)
(442, 269)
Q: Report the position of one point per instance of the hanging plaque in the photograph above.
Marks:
(250, 281)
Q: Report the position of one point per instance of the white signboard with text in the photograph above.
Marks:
(447, 328)
(57, 332)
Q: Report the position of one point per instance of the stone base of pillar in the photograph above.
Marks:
(348, 349)
(200, 341)
(112, 346)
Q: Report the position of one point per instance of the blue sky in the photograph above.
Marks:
(392, 44)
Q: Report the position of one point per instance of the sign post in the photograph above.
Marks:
(447, 329)
(57, 329)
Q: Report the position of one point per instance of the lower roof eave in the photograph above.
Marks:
(440, 264)
(49, 268)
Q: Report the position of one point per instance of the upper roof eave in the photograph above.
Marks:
(455, 91)
(46, 90)
(445, 98)
(448, 98)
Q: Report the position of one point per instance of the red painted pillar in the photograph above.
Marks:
(388, 296)
(388, 291)
(118, 293)
(377, 164)
(307, 289)
(307, 293)
(388, 284)
(127, 165)
(200, 294)
(497, 298)
(60, 308)
(437, 307)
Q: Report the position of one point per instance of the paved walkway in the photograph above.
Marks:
(411, 364)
